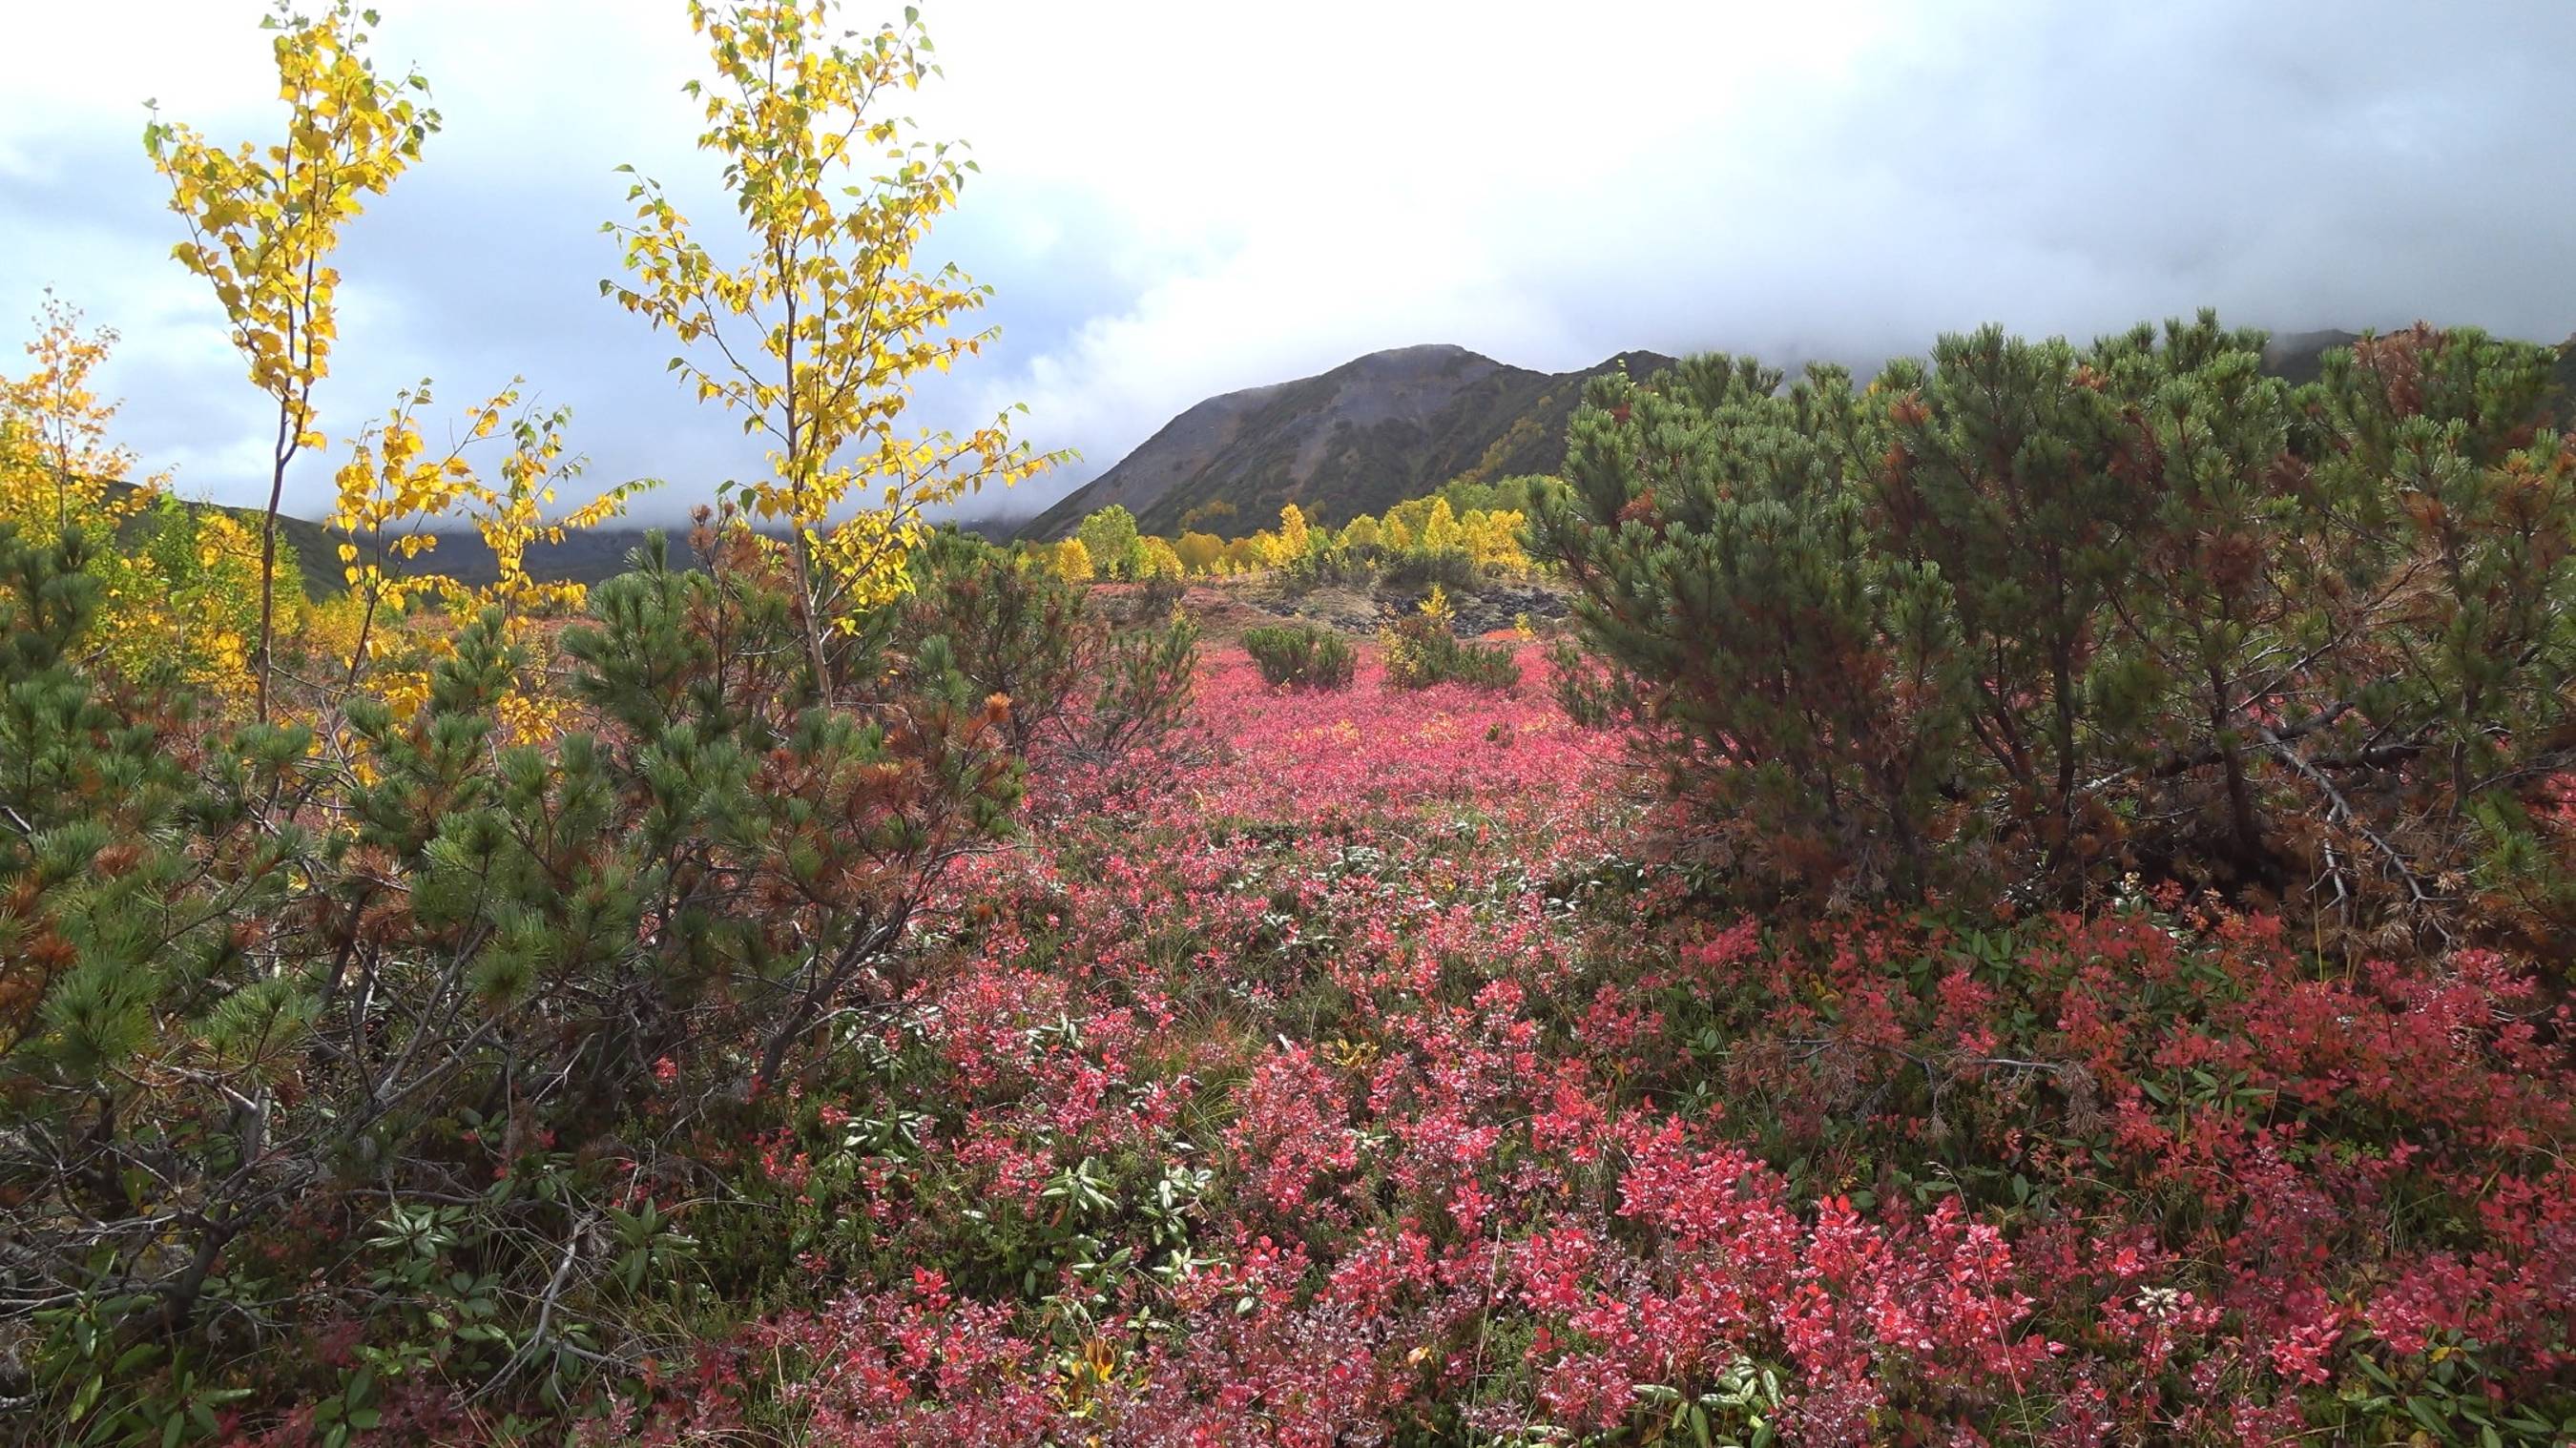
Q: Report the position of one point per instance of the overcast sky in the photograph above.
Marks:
(1185, 198)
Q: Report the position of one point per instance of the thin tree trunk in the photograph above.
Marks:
(813, 615)
(285, 450)
(2240, 795)
(782, 261)
(2061, 661)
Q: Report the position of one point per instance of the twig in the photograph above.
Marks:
(2340, 808)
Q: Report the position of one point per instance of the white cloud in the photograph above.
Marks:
(1181, 198)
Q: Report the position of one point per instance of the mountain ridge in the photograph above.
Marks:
(1358, 438)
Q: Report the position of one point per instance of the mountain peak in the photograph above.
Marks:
(1376, 430)
(1420, 354)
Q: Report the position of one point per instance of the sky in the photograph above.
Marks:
(1179, 198)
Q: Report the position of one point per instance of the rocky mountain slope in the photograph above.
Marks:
(1372, 432)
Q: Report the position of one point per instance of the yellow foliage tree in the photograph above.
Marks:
(185, 605)
(817, 333)
(1492, 538)
(1160, 560)
(57, 468)
(171, 598)
(263, 222)
(1360, 532)
(1440, 532)
(395, 487)
(511, 517)
(1402, 527)
(1278, 550)
(1073, 561)
(388, 493)
(1200, 552)
(1436, 607)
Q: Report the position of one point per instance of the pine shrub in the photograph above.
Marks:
(1077, 680)
(368, 1032)
(2035, 612)
(1301, 656)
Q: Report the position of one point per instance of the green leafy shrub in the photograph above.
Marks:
(1109, 537)
(1301, 655)
(1406, 569)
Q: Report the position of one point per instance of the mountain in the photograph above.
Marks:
(587, 555)
(583, 557)
(1368, 434)
(593, 555)
(2299, 357)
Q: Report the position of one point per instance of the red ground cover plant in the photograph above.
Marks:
(1358, 1077)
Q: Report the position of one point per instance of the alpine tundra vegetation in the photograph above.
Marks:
(2023, 895)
